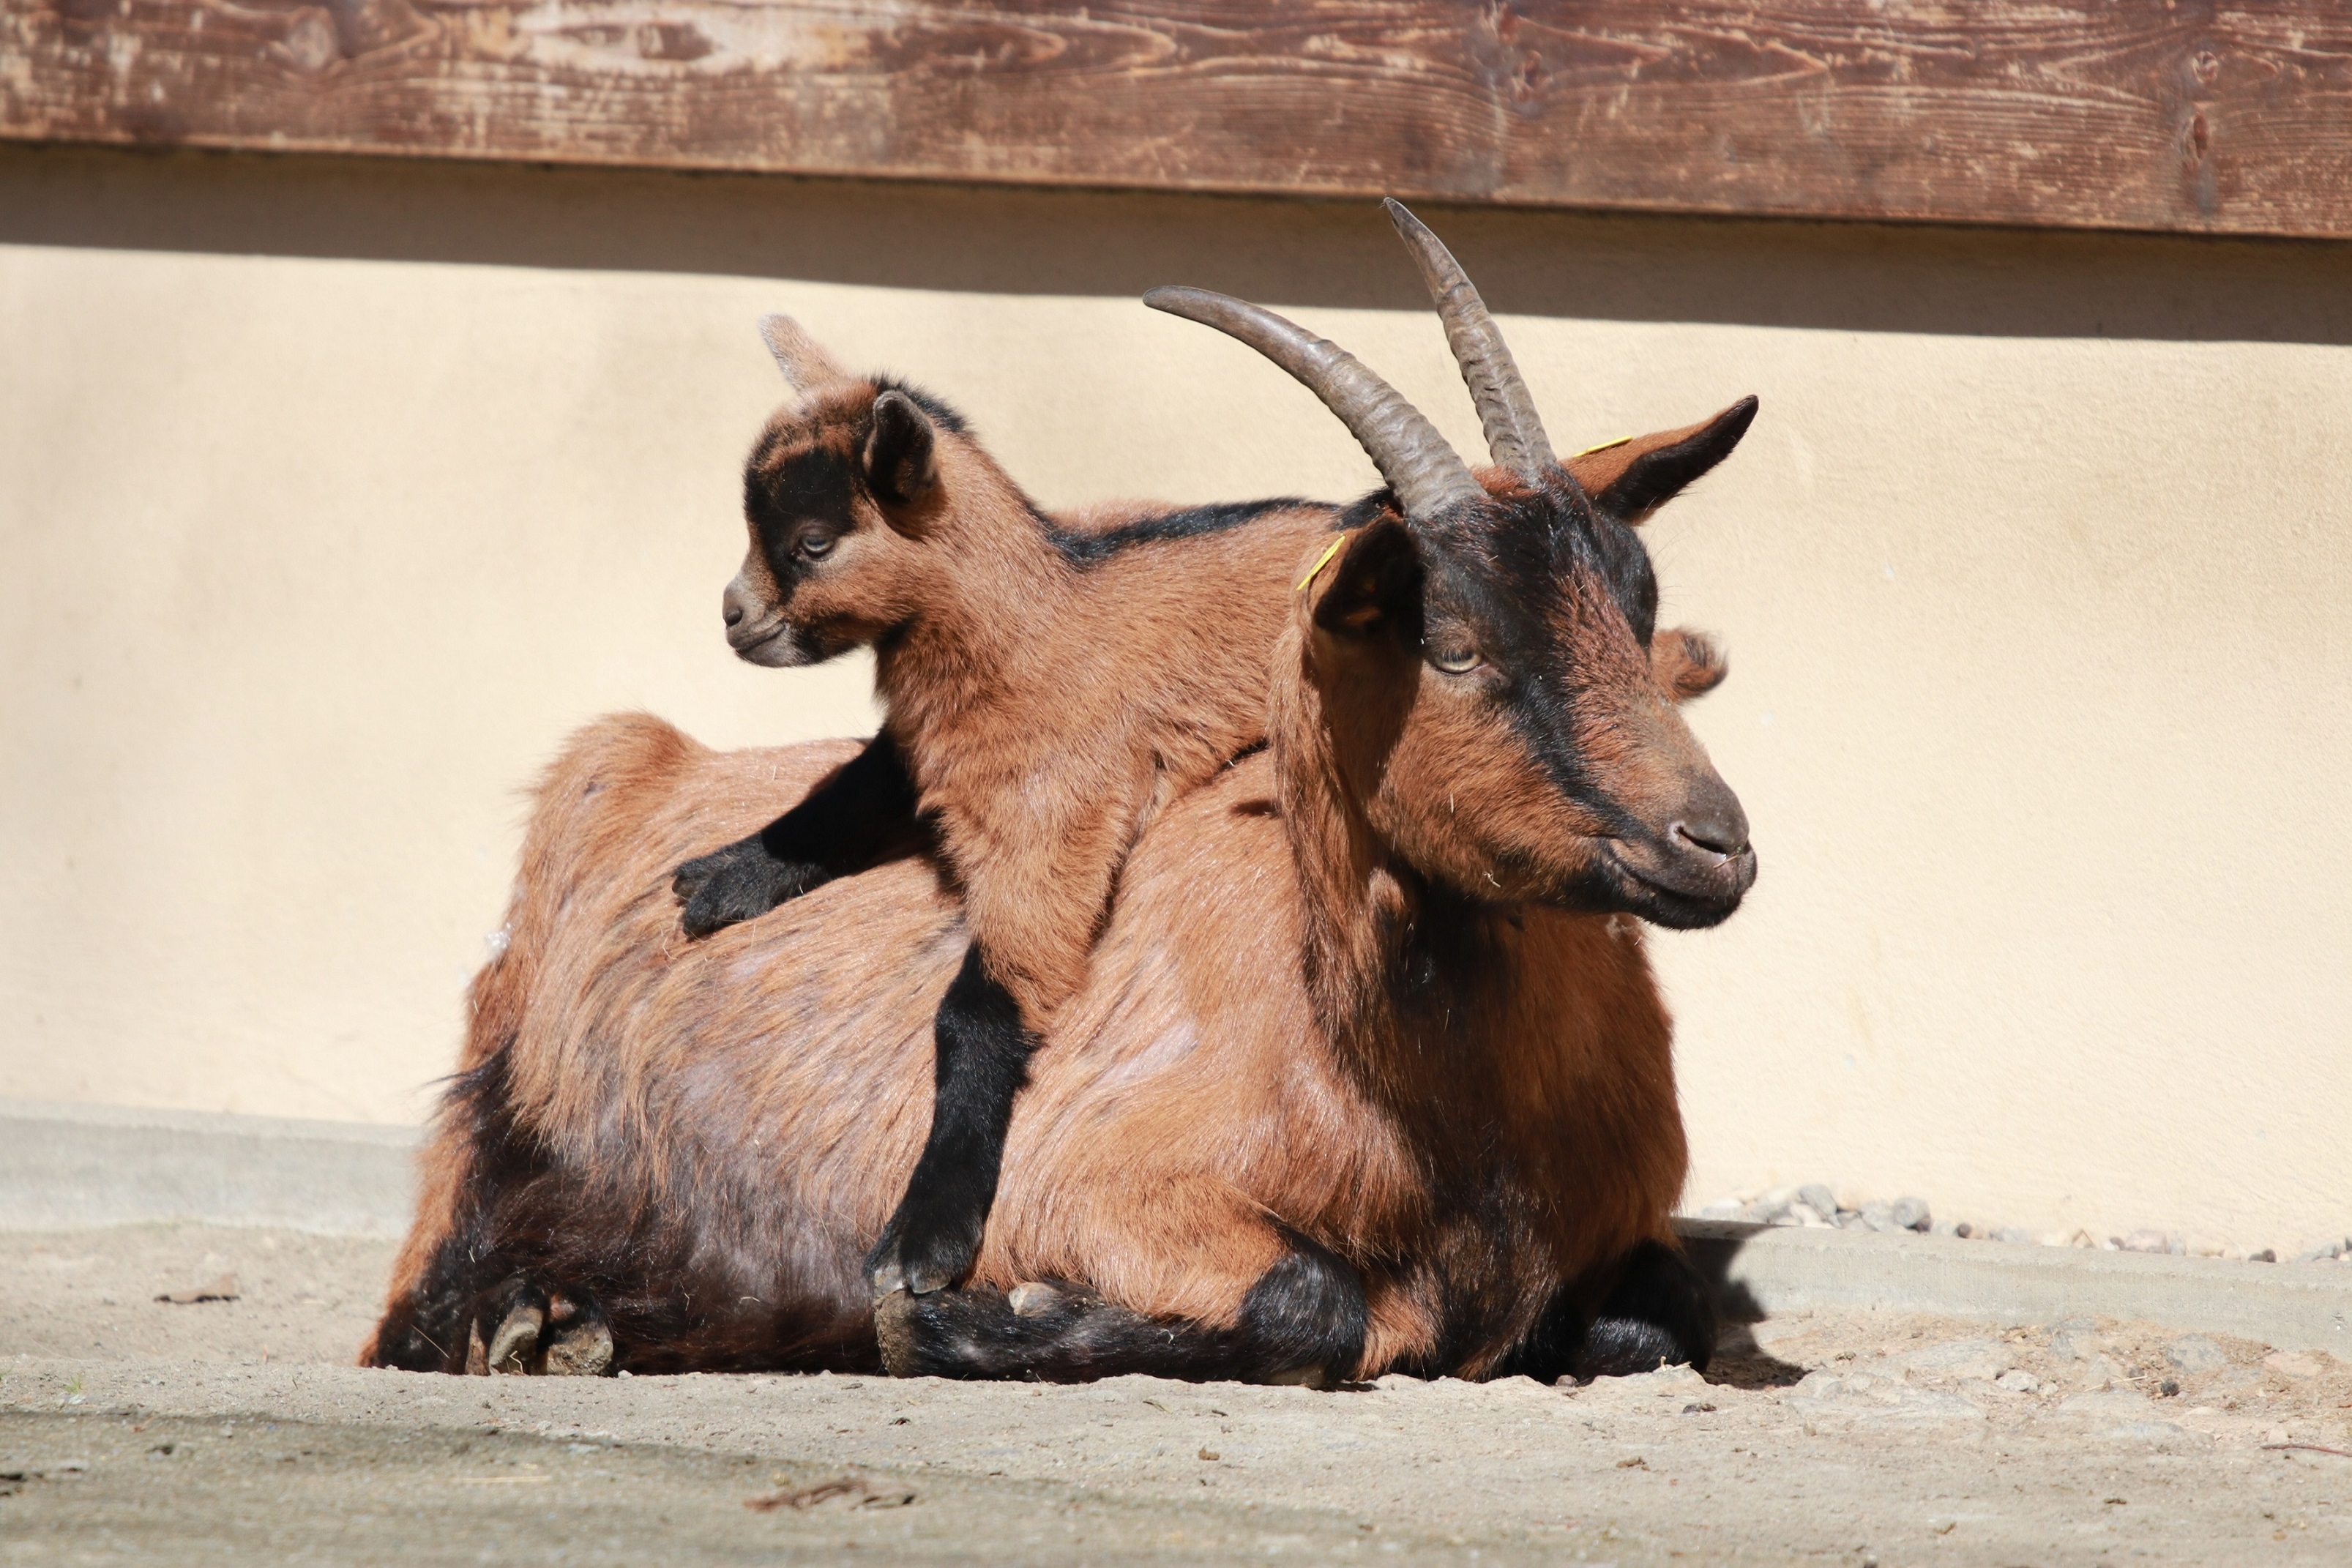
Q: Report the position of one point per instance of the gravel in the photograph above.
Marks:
(1820, 1205)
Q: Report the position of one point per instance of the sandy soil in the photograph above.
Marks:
(227, 1429)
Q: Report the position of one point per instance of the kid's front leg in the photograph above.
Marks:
(842, 827)
(982, 1049)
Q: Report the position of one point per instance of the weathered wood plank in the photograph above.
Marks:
(2165, 114)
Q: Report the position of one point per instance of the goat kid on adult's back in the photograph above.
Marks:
(1051, 685)
(1369, 1073)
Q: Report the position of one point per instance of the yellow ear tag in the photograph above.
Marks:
(1602, 447)
(1325, 560)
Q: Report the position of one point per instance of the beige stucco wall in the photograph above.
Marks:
(332, 495)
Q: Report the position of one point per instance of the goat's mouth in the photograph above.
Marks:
(768, 642)
(1682, 889)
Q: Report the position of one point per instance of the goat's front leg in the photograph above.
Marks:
(842, 827)
(981, 1059)
(1302, 1320)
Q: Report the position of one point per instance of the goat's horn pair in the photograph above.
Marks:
(1514, 435)
(1426, 473)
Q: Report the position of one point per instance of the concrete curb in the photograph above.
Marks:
(1762, 1271)
(66, 1167)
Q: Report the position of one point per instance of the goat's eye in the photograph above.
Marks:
(817, 546)
(1454, 660)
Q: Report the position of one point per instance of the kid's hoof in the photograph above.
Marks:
(739, 883)
(922, 1258)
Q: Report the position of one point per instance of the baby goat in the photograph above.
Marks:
(1368, 1071)
(1050, 686)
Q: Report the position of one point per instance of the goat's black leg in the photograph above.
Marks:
(1660, 1312)
(1302, 1322)
(845, 825)
(981, 1059)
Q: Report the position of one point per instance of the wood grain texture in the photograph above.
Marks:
(2157, 114)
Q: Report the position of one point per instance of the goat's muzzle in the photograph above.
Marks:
(1695, 872)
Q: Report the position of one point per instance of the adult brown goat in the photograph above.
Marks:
(1050, 686)
(1368, 1071)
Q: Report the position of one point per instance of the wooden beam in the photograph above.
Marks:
(2153, 114)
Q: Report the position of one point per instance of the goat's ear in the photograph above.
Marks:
(805, 364)
(901, 451)
(1371, 583)
(1687, 663)
(1629, 479)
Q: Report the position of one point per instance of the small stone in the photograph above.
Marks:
(2294, 1363)
(1852, 1220)
(1946, 1228)
(1817, 1196)
(1773, 1204)
(1911, 1214)
(2193, 1353)
(1880, 1218)
(2267, 1255)
(2324, 1252)
(2015, 1235)
(2017, 1381)
(1806, 1214)
(2076, 1339)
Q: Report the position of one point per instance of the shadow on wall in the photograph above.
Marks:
(1009, 241)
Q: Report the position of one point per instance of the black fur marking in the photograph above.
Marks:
(1192, 522)
(982, 1059)
(936, 408)
(1661, 1313)
(862, 814)
(813, 488)
(1306, 1314)
(1659, 474)
(976, 1334)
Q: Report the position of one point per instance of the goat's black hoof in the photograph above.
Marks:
(923, 1254)
(739, 883)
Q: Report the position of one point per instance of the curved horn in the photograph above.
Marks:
(1514, 435)
(1426, 474)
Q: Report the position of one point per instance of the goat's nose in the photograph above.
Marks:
(1712, 820)
(735, 603)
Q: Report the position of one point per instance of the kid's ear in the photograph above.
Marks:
(1369, 583)
(1687, 663)
(805, 364)
(1629, 479)
(900, 458)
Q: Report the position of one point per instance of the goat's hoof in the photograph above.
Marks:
(1034, 1299)
(512, 1347)
(923, 1255)
(540, 1332)
(581, 1350)
(896, 1325)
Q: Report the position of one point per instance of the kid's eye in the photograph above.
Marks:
(817, 546)
(1454, 660)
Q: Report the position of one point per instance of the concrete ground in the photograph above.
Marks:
(135, 1429)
